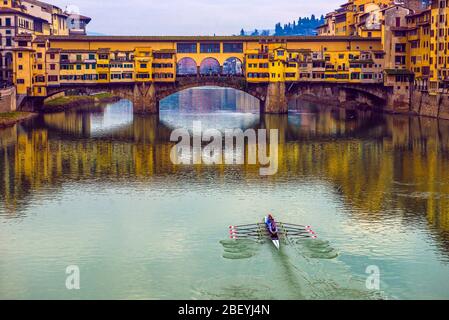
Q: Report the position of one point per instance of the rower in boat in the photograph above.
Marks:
(271, 225)
(273, 230)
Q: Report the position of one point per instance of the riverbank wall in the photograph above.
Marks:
(8, 102)
(430, 105)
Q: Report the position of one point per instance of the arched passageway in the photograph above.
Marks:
(186, 67)
(233, 66)
(210, 66)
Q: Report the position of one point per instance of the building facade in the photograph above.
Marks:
(20, 19)
(400, 44)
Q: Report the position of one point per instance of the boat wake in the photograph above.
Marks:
(239, 249)
(305, 268)
(315, 249)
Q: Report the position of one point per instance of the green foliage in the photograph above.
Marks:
(303, 27)
(13, 115)
(67, 100)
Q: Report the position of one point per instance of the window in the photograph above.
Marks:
(233, 47)
(52, 78)
(52, 67)
(20, 55)
(78, 67)
(8, 22)
(20, 67)
(142, 76)
(399, 47)
(91, 56)
(210, 48)
(143, 65)
(20, 81)
(52, 56)
(163, 55)
(187, 47)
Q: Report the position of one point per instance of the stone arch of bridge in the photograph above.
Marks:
(259, 92)
(369, 94)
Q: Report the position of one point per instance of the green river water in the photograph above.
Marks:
(95, 188)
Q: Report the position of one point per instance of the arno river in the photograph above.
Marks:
(95, 188)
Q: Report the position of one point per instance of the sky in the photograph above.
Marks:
(192, 17)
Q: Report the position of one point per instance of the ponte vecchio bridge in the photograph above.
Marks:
(148, 69)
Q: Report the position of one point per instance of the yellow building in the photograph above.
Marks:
(56, 61)
(439, 46)
(419, 25)
(328, 28)
(144, 64)
(22, 68)
(27, 17)
(355, 17)
(164, 65)
(121, 66)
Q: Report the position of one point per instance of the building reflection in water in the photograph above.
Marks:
(374, 162)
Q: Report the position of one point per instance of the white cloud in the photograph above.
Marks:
(193, 17)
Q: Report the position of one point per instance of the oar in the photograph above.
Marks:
(294, 225)
(255, 225)
(302, 235)
(243, 237)
(246, 234)
(296, 230)
(297, 233)
(245, 229)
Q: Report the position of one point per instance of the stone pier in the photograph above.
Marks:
(8, 99)
(276, 100)
(144, 99)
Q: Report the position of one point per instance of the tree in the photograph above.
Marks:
(278, 31)
(305, 26)
(242, 32)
